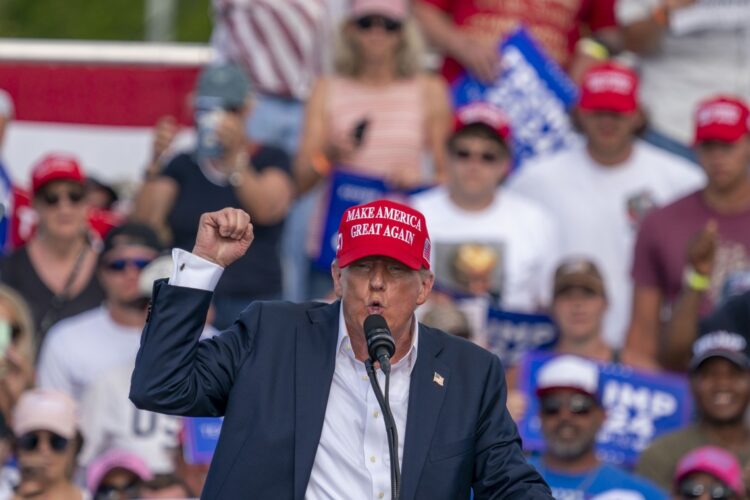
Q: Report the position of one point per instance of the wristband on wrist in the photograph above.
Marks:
(320, 164)
(593, 49)
(696, 281)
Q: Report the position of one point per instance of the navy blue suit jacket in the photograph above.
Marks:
(270, 376)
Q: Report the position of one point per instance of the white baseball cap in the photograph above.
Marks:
(568, 372)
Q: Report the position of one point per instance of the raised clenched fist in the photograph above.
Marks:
(223, 236)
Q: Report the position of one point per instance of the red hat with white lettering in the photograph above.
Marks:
(609, 87)
(721, 118)
(56, 167)
(385, 228)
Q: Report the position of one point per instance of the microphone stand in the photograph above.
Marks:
(390, 424)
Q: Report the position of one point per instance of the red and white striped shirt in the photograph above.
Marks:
(280, 43)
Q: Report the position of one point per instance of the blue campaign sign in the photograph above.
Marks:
(347, 190)
(511, 334)
(534, 92)
(640, 406)
(201, 437)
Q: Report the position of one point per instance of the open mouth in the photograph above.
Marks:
(375, 307)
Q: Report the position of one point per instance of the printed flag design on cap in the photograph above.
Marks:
(383, 228)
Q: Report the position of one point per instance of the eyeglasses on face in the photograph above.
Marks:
(368, 22)
(696, 489)
(130, 490)
(486, 157)
(30, 441)
(119, 265)
(53, 198)
(577, 404)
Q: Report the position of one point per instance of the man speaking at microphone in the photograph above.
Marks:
(301, 418)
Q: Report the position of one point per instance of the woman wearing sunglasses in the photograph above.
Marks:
(709, 473)
(379, 113)
(47, 442)
(55, 271)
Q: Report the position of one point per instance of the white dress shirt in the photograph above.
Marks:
(352, 460)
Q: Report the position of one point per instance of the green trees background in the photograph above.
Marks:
(98, 19)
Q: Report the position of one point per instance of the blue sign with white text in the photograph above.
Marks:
(201, 438)
(640, 406)
(533, 91)
(511, 334)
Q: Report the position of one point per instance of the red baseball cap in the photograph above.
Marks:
(485, 113)
(386, 228)
(609, 87)
(721, 118)
(714, 461)
(56, 167)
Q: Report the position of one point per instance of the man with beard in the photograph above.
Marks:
(81, 348)
(720, 381)
(571, 415)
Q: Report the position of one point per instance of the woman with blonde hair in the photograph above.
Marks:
(379, 114)
(17, 349)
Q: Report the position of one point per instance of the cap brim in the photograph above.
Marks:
(739, 359)
(587, 282)
(546, 390)
(346, 258)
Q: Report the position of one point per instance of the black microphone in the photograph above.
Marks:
(380, 343)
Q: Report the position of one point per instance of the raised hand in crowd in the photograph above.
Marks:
(702, 249)
(682, 328)
(165, 131)
(223, 236)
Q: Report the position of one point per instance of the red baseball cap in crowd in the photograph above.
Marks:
(721, 118)
(116, 459)
(384, 228)
(56, 167)
(609, 87)
(715, 462)
(485, 113)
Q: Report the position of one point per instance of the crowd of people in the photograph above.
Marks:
(634, 241)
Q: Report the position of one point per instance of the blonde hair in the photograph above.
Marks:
(409, 53)
(26, 341)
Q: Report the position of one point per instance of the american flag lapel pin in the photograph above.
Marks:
(438, 379)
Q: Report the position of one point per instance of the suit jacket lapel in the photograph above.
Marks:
(429, 381)
(315, 362)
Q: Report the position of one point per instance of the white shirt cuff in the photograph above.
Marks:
(191, 271)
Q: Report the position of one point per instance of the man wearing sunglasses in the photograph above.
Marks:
(79, 349)
(472, 208)
(720, 383)
(571, 415)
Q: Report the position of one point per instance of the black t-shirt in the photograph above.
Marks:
(257, 275)
(17, 272)
(733, 316)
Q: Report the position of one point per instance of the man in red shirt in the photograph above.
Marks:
(468, 31)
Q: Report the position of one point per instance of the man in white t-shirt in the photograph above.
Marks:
(598, 192)
(473, 222)
(80, 349)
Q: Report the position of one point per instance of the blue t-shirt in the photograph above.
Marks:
(600, 480)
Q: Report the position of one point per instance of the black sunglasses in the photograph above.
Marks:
(30, 442)
(485, 157)
(107, 492)
(694, 489)
(577, 404)
(52, 199)
(121, 264)
(369, 22)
